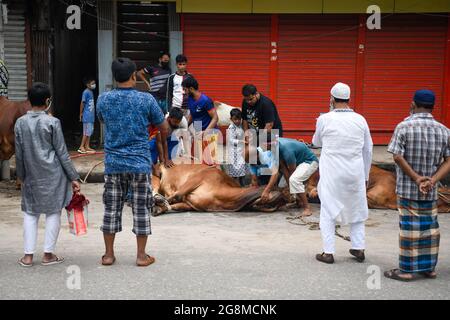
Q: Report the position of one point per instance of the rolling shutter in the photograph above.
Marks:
(227, 51)
(407, 54)
(15, 52)
(143, 31)
(314, 52)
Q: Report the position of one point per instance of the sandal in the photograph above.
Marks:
(57, 260)
(149, 262)
(395, 274)
(110, 263)
(23, 264)
(429, 274)
(81, 151)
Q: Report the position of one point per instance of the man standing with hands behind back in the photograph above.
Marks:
(419, 145)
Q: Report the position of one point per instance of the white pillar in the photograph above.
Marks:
(5, 170)
(106, 50)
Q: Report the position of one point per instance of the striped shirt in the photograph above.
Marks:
(423, 142)
(158, 80)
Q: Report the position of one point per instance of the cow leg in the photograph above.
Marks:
(185, 189)
(181, 207)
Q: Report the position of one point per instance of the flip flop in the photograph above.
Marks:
(428, 275)
(81, 151)
(151, 260)
(58, 260)
(395, 275)
(23, 264)
(108, 264)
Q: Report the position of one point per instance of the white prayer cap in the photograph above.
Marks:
(341, 91)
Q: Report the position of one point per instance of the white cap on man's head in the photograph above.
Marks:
(341, 91)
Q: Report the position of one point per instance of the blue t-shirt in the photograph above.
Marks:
(199, 110)
(295, 152)
(127, 113)
(88, 106)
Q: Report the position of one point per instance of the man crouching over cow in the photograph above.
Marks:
(126, 114)
(296, 162)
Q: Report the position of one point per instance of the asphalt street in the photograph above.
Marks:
(243, 255)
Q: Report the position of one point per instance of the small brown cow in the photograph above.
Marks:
(10, 111)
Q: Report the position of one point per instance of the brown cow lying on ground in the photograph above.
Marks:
(208, 189)
(381, 190)
(10, 111)
(188, 187)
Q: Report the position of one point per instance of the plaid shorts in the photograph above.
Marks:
(114, 196)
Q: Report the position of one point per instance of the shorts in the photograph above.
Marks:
(114, 197)
(88, 129)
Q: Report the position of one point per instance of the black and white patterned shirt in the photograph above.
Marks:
(424, 143)
(158, 80)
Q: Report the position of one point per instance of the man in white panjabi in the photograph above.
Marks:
(344, 168)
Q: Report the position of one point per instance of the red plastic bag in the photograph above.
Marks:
(77, 214)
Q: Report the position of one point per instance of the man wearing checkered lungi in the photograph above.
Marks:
(126, 114)
(419, 145)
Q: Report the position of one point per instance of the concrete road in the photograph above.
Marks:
(212, 256)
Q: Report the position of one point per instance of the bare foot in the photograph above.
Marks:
(26, 260)
(306, 213)
(144, 261)
(108, 260)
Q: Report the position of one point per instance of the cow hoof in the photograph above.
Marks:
(157, 211)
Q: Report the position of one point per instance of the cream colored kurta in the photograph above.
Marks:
(344, 165)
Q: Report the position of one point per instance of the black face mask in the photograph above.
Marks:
(164, 65)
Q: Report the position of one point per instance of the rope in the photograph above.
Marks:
(443, 195)
(90, 171)
(314, 226)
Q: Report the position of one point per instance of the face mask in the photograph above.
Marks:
(49, 106)
(164, 64)
(93, 86)
(265, 157)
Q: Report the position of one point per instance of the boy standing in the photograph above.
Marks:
(419, 145)
(237, 168)
(176, 98)
(48, 175)
(87, 115)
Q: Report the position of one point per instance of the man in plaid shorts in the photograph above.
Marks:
(126, 114)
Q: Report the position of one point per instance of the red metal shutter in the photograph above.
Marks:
(314, 52)
(407, 54)
(227, 51)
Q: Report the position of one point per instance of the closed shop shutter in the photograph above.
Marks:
(227, 51)
(407, 54)
(15, 52)
(143, 31)
(314, 52)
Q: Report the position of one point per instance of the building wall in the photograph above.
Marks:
(295, 59)
(308, 6)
